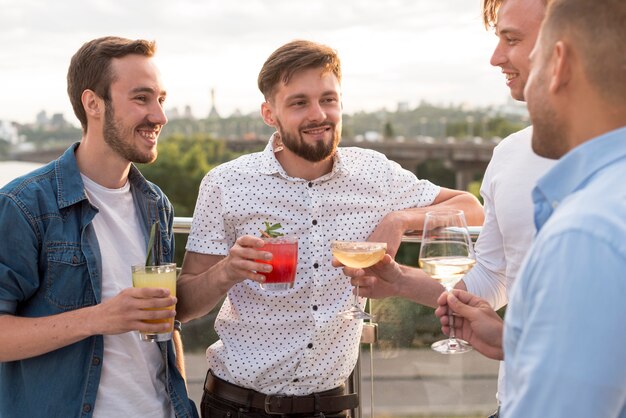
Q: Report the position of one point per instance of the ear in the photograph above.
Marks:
(93, 105)
(267, 113)
(561, 66)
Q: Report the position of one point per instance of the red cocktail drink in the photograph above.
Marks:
(284, 263)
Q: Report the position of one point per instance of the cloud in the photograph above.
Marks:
(396, 50)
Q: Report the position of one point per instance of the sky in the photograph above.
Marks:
(391, 50)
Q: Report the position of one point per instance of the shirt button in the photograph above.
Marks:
(310, 184)
(309, 345)
(86, 408)
(315, 307)
(296, 380)
(316, 265)
(314, 222)
(74, 260)
(95, 361)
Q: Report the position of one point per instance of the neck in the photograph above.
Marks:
(298, 167)
(593, 120)
(101, 164)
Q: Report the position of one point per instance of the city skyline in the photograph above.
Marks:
(398, 51)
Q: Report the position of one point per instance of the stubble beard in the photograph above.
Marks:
(315, 153)
(113, 133)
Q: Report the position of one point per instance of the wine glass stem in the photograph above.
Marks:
(356, 297)
(452, 334)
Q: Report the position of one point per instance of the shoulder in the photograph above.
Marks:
(520, 141)
(243, 163)
(365, 159)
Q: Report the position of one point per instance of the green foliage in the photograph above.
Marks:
(436, 172)
(181, 165)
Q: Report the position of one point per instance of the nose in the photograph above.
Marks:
(316, 113)
(498, 58)
(157, 115)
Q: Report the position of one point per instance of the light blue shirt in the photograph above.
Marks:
(565, 329)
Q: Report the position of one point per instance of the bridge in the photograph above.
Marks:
(465, 158)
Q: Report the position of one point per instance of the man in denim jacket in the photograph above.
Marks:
(70, 232)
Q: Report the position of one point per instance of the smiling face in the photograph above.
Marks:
(306, 111)
(517, 28)
(134, 115)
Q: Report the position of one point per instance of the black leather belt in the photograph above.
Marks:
(329, 401)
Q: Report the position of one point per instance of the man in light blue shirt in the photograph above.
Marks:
(564, 330)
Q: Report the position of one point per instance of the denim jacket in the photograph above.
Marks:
(50, 263)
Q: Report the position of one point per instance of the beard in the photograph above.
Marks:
(549, 138)
(315, 153)
(114, 133)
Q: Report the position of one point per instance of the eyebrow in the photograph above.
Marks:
(147, 90)
(508, 31)
(304, 96)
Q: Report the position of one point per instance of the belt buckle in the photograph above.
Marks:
(268, 404)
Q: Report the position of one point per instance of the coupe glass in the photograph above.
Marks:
(446, 254)
(358, 255)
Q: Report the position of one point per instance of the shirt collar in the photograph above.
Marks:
(70, 187)
(574, 169)
(269, 165)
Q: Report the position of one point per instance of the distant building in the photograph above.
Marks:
(8, 132)
(188, 114)
(172, 113)
(514, 108)
(403, 106)
(42, 118)
(213, 113)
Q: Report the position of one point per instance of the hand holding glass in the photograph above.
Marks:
(358, 255)
(162, 276)
(446, 254)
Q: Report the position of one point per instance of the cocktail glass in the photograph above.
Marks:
(284, 263)
(162, 276)
(358, 255)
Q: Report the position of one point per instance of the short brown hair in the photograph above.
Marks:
(490, 12)
(90, 68)
(596, 33)
(293, 57)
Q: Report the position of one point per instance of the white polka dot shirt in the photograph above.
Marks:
(292, 342)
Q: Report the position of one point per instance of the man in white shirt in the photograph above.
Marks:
(288, 352)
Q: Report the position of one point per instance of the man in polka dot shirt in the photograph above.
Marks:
(288, 352)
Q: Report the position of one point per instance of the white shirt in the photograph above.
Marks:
(292, 341)
(508, 229)
(133, 371)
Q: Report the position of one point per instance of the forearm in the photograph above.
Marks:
(413, 219)
(23, 338)
(199, 293)
(419, 287)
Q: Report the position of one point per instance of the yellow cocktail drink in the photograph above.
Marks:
(163, 276)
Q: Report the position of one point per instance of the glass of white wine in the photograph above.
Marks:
(358, 255)
(446, 254)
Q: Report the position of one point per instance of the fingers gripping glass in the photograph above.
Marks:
(446, 254)
(357, 255)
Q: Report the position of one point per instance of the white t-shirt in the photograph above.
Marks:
(292, 341)
(509, 228)
(132, 383)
